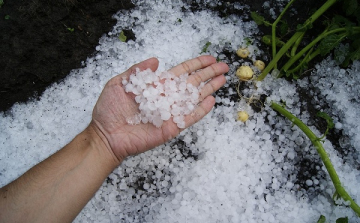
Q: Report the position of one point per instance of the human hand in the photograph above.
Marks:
(115, 105)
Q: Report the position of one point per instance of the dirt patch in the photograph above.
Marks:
(42, 41)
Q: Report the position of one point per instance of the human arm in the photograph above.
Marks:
(58, 188)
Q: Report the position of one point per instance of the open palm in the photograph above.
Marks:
(114, 106)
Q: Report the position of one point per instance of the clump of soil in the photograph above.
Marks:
(42, 41)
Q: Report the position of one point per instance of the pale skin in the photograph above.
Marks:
(57, 189)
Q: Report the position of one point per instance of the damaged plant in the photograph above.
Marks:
(340, 191)
(337, 30)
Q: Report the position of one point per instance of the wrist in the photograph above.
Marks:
(99, 142)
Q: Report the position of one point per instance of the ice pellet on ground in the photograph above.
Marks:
(217, 170)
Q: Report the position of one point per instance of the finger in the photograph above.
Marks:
(151, 63)
(204, 107)
(208, 73)
(192, 65)
(212, 86)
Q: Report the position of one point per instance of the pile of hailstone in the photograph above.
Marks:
(161, 96)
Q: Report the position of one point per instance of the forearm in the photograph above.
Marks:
(58, 188)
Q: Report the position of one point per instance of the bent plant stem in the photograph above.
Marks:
(273, 29)
(295, 37)
(324, 157)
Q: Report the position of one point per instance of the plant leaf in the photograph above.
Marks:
(342, 220)
(284, 27)
(267, 40)
(350, 6)
(322, 219)
(205, 48)
(355, 53)
(328, 119)
(340, 21)
(341, 54)
(248, 41)
(122, 36)
(259, 20)
(329, 43)
(357, 15)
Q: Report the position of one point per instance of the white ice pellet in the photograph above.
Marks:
(309, 182)
(164, 183)
(165, 115)
(163, 95)
(338, 125)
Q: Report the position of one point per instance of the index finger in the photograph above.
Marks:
(192, 65)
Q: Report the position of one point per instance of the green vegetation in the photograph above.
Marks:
(122, 36)
(337, 29)
(293, 55)
(205, 48)
(1, 3)
(322, 219)
(316, 141)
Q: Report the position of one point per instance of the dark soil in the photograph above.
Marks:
(42, 41)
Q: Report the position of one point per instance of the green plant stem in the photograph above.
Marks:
(296, 45)
(311, 56)
(273, 29)
(266, 23)
(324, 157)
(307, 58)
(278, 56)
(295, 37)
(319, 12)
(293, 59)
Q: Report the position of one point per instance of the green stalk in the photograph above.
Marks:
(311, 56)
(300, 65)
(273, 30)
(296, 45)
(278, 56)
(310, 45)
(323, 155)
(319, 12)
(295, 37)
